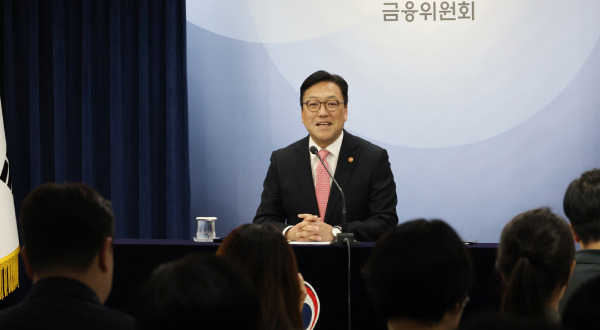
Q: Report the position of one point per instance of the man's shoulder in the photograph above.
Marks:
(588, 256)
(350, 140)
(356, 141)
(119, 319)
(42, 314)
(63, 303)
(587, 265)
(294, 147)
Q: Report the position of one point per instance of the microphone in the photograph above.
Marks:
(344, 236)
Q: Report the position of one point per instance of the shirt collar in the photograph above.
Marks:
(334, 148)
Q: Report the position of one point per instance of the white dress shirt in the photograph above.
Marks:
(332, 157)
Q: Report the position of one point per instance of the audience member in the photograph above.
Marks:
(67, 232)
(582, 206)
(419, 275)
(265, 255)
(504, 322)
(198, 292)
(535, 260)
(583, 309)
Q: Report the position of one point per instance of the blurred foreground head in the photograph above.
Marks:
(64, 226)
(198, 292)
(535, 258)
(420, 272)
(266, 257)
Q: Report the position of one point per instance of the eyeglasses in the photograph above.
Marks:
(330, 105)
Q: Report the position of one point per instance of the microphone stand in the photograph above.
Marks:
(344, 238)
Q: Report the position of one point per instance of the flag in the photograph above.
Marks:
(9, 237)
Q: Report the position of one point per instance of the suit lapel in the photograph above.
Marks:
(304, 179)
(347, 159)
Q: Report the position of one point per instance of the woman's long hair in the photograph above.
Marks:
(535, 255)
(265, 255)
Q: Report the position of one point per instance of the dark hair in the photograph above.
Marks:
(198, 292)
(582, 308)
(495, 321)
(582, 206)
(418, 271)
(321, 76)
(267, 258)
(64, 226)
(535, 255)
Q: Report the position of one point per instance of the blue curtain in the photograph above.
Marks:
(96, 91)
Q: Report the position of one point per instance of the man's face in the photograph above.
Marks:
(324, 126)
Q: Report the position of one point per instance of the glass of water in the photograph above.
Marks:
(206, 229)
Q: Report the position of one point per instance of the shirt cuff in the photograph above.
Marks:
(286, 230)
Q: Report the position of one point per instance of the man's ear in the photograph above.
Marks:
(575, 236)
(106, 254)
(28, 268)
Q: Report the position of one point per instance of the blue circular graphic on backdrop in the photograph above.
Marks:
(425, 83)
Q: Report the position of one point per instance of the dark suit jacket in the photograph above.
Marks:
(363, 172)
(63, 303)
(587, 266)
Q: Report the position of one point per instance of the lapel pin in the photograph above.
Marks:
(350, 159)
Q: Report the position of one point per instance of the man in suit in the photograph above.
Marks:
(582, 206)
(67, 232)
(298, 196)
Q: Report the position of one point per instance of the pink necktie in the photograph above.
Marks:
(322, 187)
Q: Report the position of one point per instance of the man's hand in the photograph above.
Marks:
(311, 229)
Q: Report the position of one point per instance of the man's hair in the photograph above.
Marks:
(263, 253)
(582, 206)
(321, 76)
(535, 254)
(418, 271)
(198, 292)
(64, 226)
(495, 321)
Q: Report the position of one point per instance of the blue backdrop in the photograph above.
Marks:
(486, 111)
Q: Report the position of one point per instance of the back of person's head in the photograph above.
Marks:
(583, 308)
(419, 271)
(535, 257)
(506, 322)
(582, 206)
(64, 226)
(198, 292)
(321, 76)
(266, 256)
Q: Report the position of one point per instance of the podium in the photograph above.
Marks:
(323, 266)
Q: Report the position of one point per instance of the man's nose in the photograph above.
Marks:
(322, 112)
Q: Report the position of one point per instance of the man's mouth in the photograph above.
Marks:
(324, 124)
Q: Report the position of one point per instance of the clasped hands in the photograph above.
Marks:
(311, 229)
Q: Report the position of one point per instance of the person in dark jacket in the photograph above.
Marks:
(67, 233)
